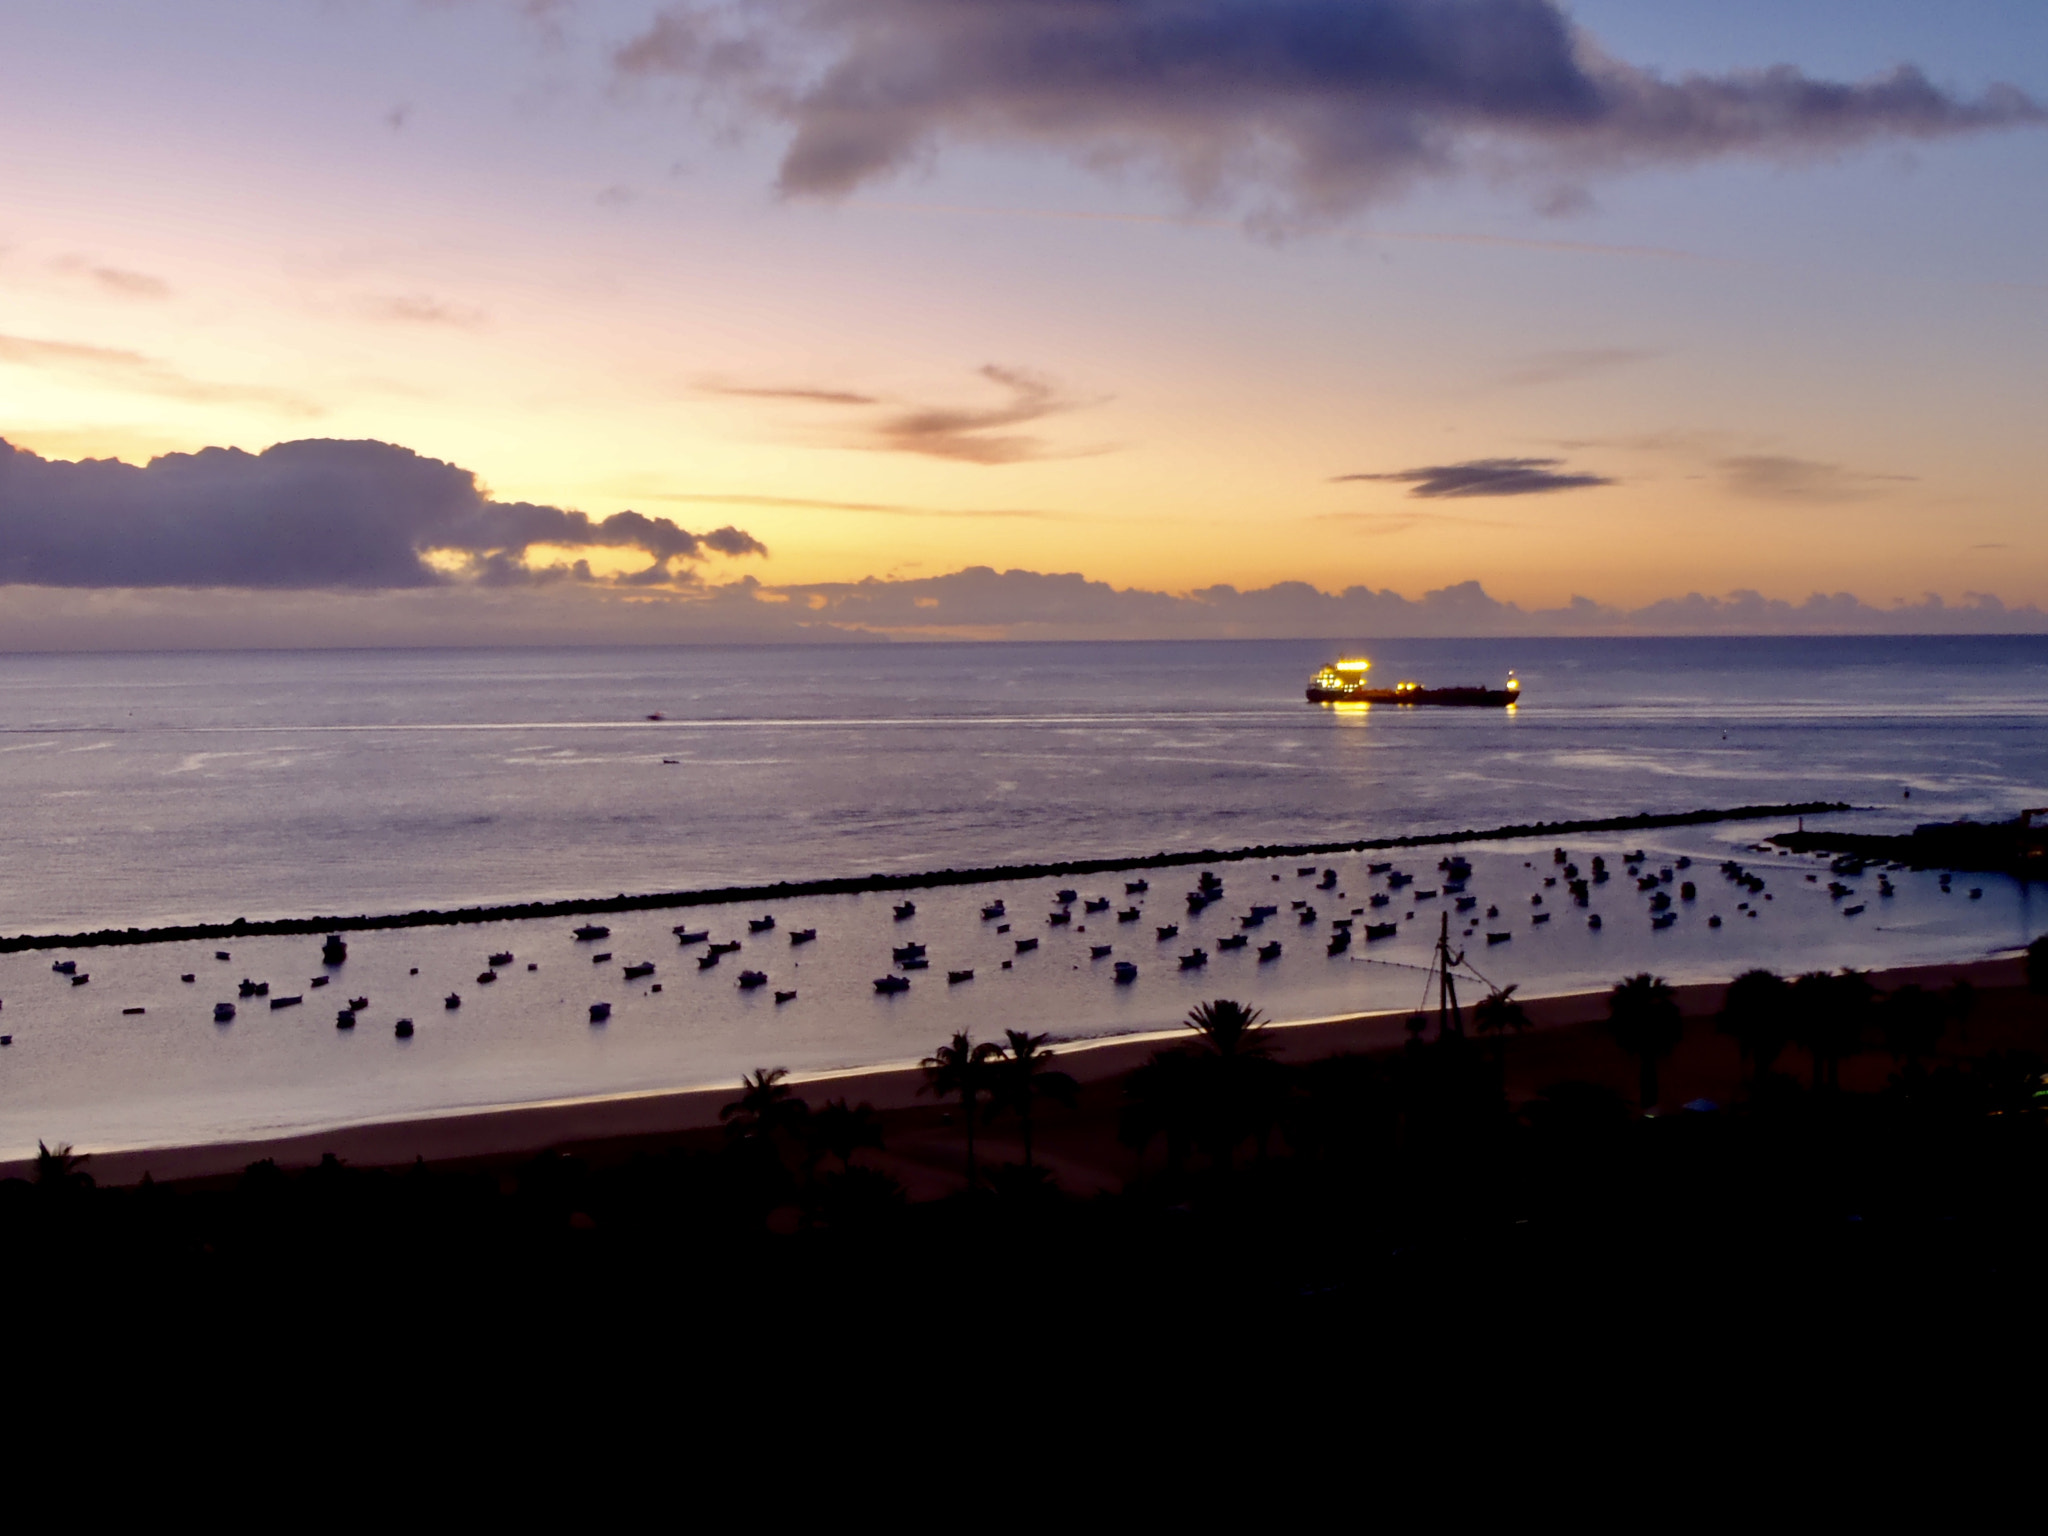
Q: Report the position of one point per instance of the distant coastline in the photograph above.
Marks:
(858, 884)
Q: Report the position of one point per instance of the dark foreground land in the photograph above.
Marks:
(1870, 1183)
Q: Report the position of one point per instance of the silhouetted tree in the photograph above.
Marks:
(960, 1068)
(1212, 1093)
(1021, 1077)
(765, 1106)
(2037, 964)
(1498, 1014)
(1643, 1017)
(60, 1168)
(1913, 1019)
(840, 1131)
(1830, 1014)
(1757, 1013)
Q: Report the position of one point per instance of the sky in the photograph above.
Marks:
(432, 321)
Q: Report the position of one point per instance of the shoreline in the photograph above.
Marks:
(645, 1119)
(849, 885)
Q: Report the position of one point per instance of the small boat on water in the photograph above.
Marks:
(1058, 919)
(993, 911)
(590, 931)
(64, 967)
(760, 924)
(402, 1029)
(1098, 951)
(1194, 960)
(1344, 682)
(1234, 941)
(1137, 887)
(1270, 951)
(485, 978)
(729, 947)
(358, 1004)
(346, 1019)
(82, 978)
(749, 980)
(1340, 941)
(905, 909)
(502, 957)
(318, 981)
(452, 1000)
(903, 952)
(892, 984)
(1499, 938)
(223, 1013)
(802, 935)
(785, 997)
(1168, 931)
(333, 952)
(688, 935)
(599, 1012)
(1308, 916)
(603, 959)
(1129, 915)
(1126, 971)
(1095, 904)
(1066, 898)
(635, 972)
(954, 978)
(1381, 931)
(706, 961)
(919, 964)
(1024, 946)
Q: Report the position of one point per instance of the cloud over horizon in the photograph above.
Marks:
(306, 515)
(1484, 477)
(1318, 107)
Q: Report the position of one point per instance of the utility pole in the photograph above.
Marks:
(1449, 1018)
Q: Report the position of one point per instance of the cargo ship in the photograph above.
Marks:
(1345, 682)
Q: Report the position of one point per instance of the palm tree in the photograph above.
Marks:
(1235, 1079)
(842, 1131)
(2037, 965)
(1913, 1020)
(1497, 1014)
(58, 1167)
(766, 1105)
(1643, 1017)
(961, 1068)
(1831, 1013)
(1230, 1030)
(1757, 1012)
(1023, 1076)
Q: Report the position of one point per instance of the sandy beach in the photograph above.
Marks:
(1566, 1042)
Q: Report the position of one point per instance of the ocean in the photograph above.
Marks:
(146, 790)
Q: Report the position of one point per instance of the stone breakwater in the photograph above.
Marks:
(857, 884)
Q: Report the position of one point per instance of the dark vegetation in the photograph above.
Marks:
(855, 884)
(1395, 1204)
(2016, 847)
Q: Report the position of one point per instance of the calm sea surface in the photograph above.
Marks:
(157, 789)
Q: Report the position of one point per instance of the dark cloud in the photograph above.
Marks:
(975, 435)
(119, 368)
(1776, 477)
(971, 434)
(1486, 477)
(310, 514)
(800, 394)
(1320, 105)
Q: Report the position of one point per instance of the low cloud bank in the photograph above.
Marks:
(309, 515)
(974, 604)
